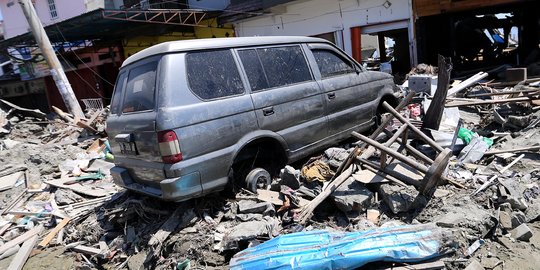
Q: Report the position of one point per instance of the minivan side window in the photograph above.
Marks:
(140, 88)
(118, 90)
(254, 70)
(331, 64)
(275, 66)
(213, 74)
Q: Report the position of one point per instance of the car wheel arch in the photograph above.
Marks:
(264, 139)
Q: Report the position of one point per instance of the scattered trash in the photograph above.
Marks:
(469, 183)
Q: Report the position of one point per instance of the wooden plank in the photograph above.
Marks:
(306, 212)
(368, 177)
(433, 177)
(21, 238)
(504, 93)
(53, 232)
(13, 203)
(24, 252)
(10, 171)
(273, 197)
(5, 228)
(87, 127)
(413, 163)
(62, 114)
(78, 187)
(418, 132)
(394, 174)
(513, 150)
(87, 250)
(435, 111)
(491, 101)
(366, 153)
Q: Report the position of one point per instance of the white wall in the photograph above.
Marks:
(308, 18)
(209, 4)
(15, 23)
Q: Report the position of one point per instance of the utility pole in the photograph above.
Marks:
(57, 71)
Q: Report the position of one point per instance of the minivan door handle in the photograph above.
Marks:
(331, 95)
(268, 111)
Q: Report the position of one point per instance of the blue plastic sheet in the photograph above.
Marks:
(343, 250)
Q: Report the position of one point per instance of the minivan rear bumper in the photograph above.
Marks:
(171, 189)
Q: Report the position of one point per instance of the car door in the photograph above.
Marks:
(131, 124)
(346, 90)
(286, 98)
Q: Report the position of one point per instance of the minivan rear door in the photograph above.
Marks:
(286, 98)
(131, 125)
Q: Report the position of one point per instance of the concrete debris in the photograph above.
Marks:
(474, 265)
(352, 196)
(290, 177)
(398, 175)
(250, 207)
(398, 199)
(522, 232)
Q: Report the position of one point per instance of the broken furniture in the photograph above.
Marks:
(433, 174)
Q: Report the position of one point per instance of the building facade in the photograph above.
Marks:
(363, 29)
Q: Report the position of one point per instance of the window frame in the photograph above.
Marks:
(157, 83)
(237, 63)
(324, 46)
(311, 73)
(350, 64)
(121, 97)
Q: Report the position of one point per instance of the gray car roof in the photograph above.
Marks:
(215, 43)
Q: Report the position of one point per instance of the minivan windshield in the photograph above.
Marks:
(140, 88)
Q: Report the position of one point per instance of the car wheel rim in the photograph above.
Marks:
(261, 182)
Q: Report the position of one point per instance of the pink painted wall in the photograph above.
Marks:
(15, 23)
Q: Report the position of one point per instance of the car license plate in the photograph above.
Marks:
(128, 148)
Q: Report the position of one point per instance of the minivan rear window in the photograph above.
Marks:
(140, 88)
(118, 90)
(213, 74)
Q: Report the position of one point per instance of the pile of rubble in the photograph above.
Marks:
(448, 180)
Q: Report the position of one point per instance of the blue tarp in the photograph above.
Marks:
(342, 250)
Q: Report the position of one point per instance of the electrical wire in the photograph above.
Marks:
(85, 81)
(76, 55)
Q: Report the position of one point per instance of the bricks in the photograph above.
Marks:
(522, 232)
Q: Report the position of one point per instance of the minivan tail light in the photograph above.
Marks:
(169, 148)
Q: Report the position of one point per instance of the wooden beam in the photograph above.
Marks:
(491, 101)
(413, 163)
(22, 255)
(21, 238)
(513, 150)
(306, 212)
(366, 153)
(53, 232)
(433, 177)
(418, 132)
(435, 111)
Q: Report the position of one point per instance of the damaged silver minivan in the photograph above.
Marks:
(193, 117)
